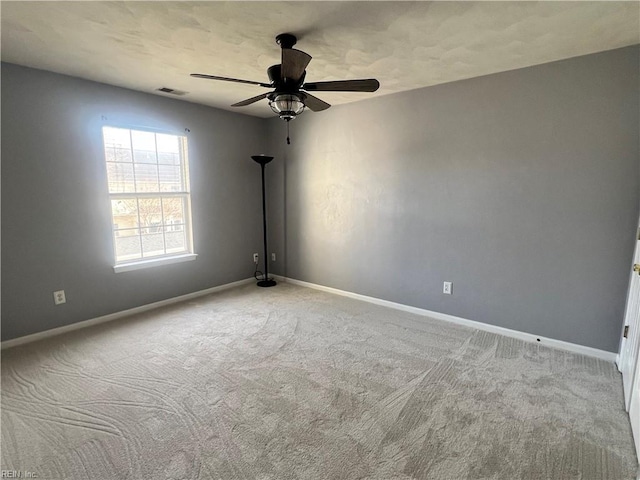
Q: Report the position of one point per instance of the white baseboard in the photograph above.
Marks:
(114, 316)
(548, 342)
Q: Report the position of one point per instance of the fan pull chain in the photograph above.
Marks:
(288, 141)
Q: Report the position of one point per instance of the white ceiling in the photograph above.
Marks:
(406, 45)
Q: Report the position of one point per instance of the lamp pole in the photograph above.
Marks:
(266, 282)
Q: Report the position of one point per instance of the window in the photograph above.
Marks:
(148, 180)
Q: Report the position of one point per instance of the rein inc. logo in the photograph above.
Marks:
(17, 474)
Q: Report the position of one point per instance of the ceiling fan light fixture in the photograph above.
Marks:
(288, 106)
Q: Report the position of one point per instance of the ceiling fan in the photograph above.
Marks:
(291, 93)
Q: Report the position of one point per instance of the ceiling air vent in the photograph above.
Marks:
(171, 91)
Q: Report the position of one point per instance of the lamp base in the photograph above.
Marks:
(267, 283)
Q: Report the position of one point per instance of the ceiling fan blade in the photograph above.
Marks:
(367, 85)
(226, 79)
(314, 103)
(251, 100)
(294, 63)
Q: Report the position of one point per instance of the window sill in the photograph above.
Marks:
(155, 262)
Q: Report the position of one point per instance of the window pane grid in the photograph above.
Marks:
(125, 231)
(155, 142)
(116, 195)
(118, 154)
(139, 223)
(135, 180)
(148, 186)
(129, 163)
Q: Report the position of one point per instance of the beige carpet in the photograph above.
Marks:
(292, 383)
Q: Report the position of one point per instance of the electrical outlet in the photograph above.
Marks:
(447, 288)
(255, 258)
(273, 257)
(59, 298)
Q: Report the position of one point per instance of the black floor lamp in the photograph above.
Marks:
(267, 282)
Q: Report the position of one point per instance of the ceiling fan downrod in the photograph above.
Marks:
(286, 40)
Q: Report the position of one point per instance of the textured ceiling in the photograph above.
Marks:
(405, 45)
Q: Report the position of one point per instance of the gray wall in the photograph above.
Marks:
(56, 226)
(521, 188)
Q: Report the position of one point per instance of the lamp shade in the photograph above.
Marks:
(287, 105)
(261, 159)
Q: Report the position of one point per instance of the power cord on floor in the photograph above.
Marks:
(256, 272)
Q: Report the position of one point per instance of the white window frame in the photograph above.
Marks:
(185, 194)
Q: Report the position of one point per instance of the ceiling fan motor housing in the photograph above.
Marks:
(274, 73)
(284, 84)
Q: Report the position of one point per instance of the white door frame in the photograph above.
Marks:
(634, 410)
(628, 359)
(629, 347)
